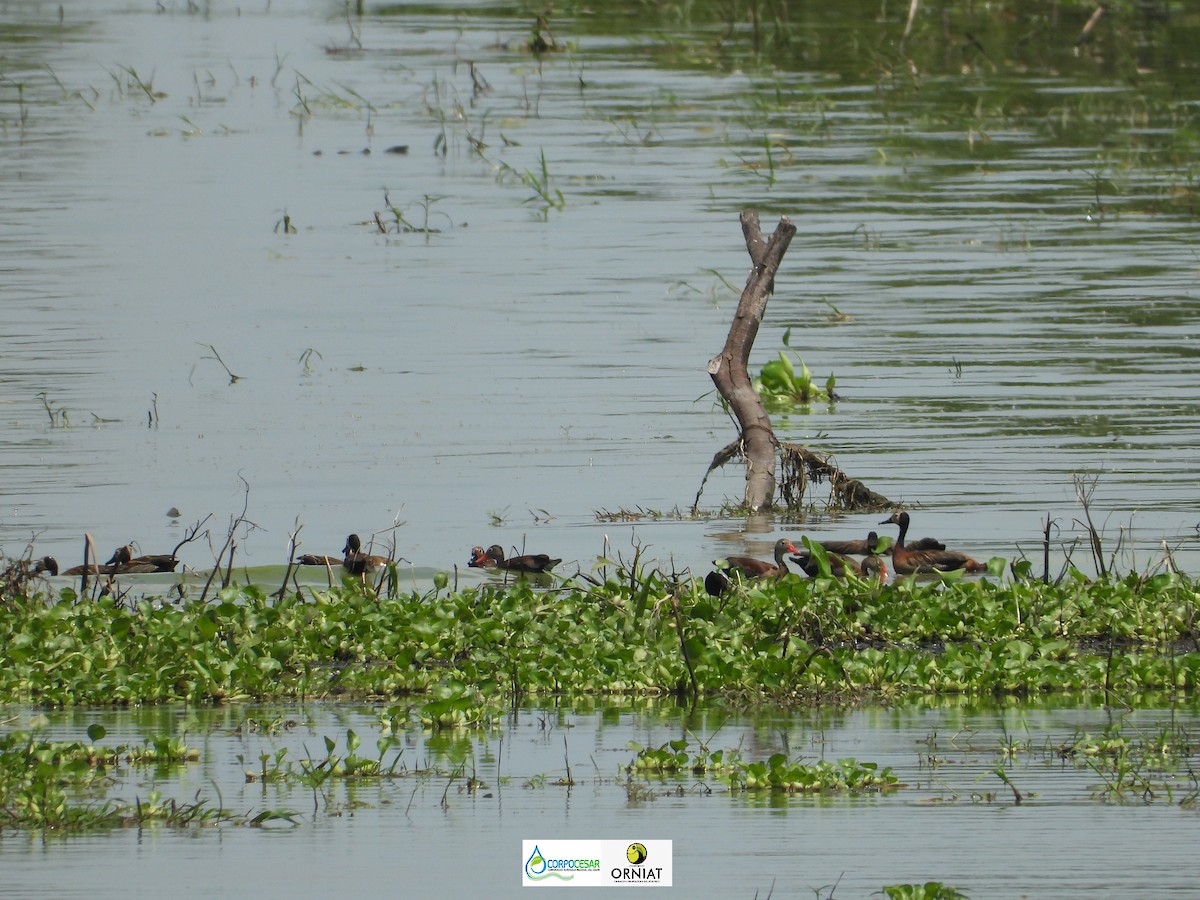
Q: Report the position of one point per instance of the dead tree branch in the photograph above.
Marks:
(229, 546)
(801, 465)
(730, 370)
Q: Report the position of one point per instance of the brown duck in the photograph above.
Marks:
(353, 560)
(47, 565)
(906, 561)
(716, 582)
(90, 568)
(868, 547)
(123, 562)
(356, 562)
(839, 564)
(493, 558)
(314, 559)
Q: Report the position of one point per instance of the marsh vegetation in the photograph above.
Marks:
(457, 261)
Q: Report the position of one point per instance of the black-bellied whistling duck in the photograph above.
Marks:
(717, 581)
(838, 564)
(356, 562)
(493, 558)
(871, 567)
(875, 567)
(906, 561)
(868, 547)
(852, 548)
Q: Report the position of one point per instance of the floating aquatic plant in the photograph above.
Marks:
(634, 629)
(778, 772)
(42, 783)
(930, 890)
(780, 384)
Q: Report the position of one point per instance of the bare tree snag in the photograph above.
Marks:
(756, 441)
(730, 368)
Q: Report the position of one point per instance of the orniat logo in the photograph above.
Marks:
(638, 872)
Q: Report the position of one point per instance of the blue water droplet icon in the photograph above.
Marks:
(536, 864)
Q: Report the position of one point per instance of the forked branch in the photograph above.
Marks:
(730, 370)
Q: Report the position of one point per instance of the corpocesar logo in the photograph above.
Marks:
(539, 868)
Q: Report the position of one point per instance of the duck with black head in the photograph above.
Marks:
(357, 562)
(21, 570)
(47, 565)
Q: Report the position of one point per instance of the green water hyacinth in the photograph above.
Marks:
(673, 757)
(643, 631)
(930, 890)
(58, 786)
(777, 773)
(780, 384)
(782, 774)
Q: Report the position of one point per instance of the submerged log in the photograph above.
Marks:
(730, 368)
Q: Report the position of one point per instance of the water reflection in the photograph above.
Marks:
(954, 821)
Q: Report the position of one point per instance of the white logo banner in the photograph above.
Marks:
(624, 863)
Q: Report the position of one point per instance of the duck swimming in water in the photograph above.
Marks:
(358, 563)
(906, 561)
(493, 558)
(123, 562)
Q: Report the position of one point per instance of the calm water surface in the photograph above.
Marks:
(1011, 238)
(954, 821)
(1020, 281)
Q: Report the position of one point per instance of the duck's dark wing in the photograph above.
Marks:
(847, 548)
(749, 566)
(926, 543)
(313, 559)
(162, 562)
(935, 561)
(530, 562)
